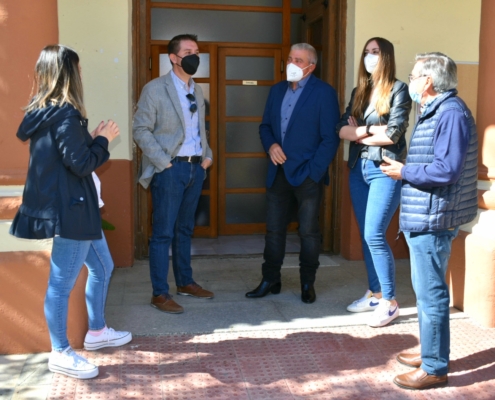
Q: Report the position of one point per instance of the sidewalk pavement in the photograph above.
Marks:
(271, 348)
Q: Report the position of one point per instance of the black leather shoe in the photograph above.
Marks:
(264, 288)
(308, 294)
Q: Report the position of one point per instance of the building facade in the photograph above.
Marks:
(243, 45)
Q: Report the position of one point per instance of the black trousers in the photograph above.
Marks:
(279, 197)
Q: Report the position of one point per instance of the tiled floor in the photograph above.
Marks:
(355, 362)
(276, 347)
(238, 245)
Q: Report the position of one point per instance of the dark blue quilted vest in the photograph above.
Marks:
(442, 207)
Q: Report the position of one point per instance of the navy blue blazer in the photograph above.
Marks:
(310, 142)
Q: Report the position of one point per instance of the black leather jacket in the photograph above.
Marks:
(397, 122)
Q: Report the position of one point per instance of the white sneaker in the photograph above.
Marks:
(69, 363)
(108, 338)
(366, 303)
(383, 314)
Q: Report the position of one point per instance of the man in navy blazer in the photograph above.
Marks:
(298, 133)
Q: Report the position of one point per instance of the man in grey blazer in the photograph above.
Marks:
(169, 127)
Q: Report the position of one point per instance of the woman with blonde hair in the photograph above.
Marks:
(375, 123)
(61, 201)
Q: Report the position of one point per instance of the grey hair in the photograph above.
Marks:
(441, 68)
(313, 56)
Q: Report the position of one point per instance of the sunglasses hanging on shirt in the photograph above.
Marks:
(193, 107)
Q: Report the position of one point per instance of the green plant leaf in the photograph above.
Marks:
(107, 226)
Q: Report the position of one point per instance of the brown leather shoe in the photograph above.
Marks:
(194, 290)
(411, 360)
(165, 303)
(419, 379)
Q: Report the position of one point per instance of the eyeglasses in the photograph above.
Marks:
(193, 107)
(413, 78)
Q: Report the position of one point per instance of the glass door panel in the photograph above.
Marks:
(246, 101)
(263, 3)
(218, 26)
(242, 136)
(245, 68)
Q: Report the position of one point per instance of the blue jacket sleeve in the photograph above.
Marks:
(329, 117)
(79, 155)
(267, 135)
(450, 148)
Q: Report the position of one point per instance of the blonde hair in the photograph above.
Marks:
(382, 80)
(57, 79)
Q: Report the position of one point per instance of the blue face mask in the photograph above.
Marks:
(415, 96)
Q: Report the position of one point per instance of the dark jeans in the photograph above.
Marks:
(279, 197)
(175, 194)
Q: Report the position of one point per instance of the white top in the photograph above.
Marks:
(98, 189)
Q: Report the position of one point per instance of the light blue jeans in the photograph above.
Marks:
(430, 253)
(375, 198)
(68, 257)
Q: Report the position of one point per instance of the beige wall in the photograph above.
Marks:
(451, 27)
(100, 31)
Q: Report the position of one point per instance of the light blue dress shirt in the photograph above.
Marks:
(289, 102)
(192, 141)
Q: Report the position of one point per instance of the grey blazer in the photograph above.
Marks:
(159, 127)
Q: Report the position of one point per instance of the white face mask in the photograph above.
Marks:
(370, 62)
(295, 73)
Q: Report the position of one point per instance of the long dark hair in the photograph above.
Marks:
(57, 79)
(382, 80)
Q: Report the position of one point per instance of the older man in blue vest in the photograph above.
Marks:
(438, 195)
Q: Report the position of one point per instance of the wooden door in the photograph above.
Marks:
(245, 76)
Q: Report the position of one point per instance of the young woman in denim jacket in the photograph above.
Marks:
(375, 123)
(60, 201)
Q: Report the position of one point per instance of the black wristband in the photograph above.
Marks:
(368, 129)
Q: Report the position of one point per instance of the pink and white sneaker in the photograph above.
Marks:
(107, 338)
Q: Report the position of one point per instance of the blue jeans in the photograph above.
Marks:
(375, 198)
(430, 253)
(279, 197)
(67, 259)
(175, 195)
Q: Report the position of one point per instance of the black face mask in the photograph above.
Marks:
(190, 63)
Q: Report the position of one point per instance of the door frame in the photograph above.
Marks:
(334, 14)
